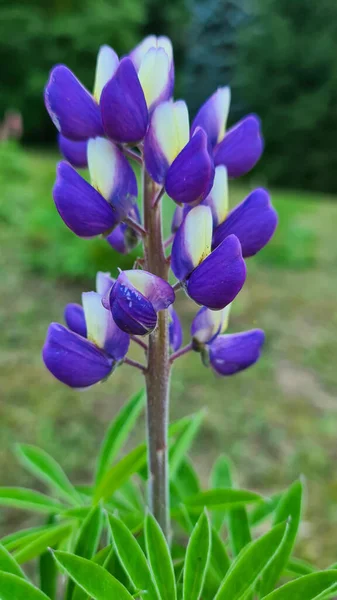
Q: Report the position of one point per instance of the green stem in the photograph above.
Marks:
(158, 372)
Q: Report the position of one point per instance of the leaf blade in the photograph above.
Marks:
(12, 586)
(308, 587)
(27, 499)
(159, 557)
(197, 559)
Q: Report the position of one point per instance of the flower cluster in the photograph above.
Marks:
(131, 116)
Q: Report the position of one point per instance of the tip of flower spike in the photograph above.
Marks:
(241, 147)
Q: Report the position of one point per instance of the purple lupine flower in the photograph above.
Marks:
(141, 82)
(211, 279)
(74, 313)
(180, 163)
(89, 210)
(123, 238)
(241, 147)
(73, 109)
(253, 222)
(227, 354)
(80, 361)
(175, 329)
(74, 152)
(136, 298)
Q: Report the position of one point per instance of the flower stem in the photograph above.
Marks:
(134, 363)
(158, 371)
(180, 352)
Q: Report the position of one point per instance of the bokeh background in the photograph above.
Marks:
(277, 420)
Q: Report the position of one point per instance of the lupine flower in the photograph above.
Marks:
(175, 329)
(74, 111)
(241, 147)
(140, 83)
(210, 278)
(123, 238)
(135, 300)
(173, 159)
(80, 361)
(74, 313)
(253, 221)
(227, 354)
(74, 152)
(89, 210)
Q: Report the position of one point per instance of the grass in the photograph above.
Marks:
(276, 421)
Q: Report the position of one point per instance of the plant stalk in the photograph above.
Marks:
(158, 372)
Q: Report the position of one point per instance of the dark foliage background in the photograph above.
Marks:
(279, 56)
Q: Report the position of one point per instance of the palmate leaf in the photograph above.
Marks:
(26, 499)
(263, 510)
(315, 586)
(218, 566)
(39, 544)
(197, 559)
(117, 433)
(249, 565)
(296, 566)
(221, 477)
(45, 467)
(92, 578)
(13, 587)
(9, 564)
(132, 558)
(48, 575)
(159, 557)
(289, 507)
(116, 476)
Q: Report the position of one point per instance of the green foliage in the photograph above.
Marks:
(288, 75)
(109, 546)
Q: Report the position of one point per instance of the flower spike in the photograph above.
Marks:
(212, 116)
(241, 147)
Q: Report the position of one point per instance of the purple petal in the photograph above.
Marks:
(241, 147)
(175, 330)
(116, 239)
(102, 329)
(192, 242)
(207, 324)
(253, 222)
(123, 238)
(212, 116)
(74, 360)
(220, 277)
(74, 152)
(75, 319)
(230, 354)
(71, 107)
(104, 282)
(159, 292)
(168, 134)
(111, 175)
(81, 207)
(178, 217)
(190, 177)
(123, 105)
(132, 312)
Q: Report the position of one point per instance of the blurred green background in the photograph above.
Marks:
(277, 420)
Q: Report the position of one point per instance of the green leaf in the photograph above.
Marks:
(92, 578)
(48, 575)
(118, 433)
(182, 444)
(132, 558)
(186, 479)
(289, 508)
(264, 510)
(221, 477)
(120, 472)
(13, 587)
(308, 587)
(9, 564)
(160, 560)
(43, 466)
(28, 500)
(197, 559)
(249, 565)
(49, 538)
(23, 537)
(219, 499)
(218, 566)
(88, 539)
(297, 566)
